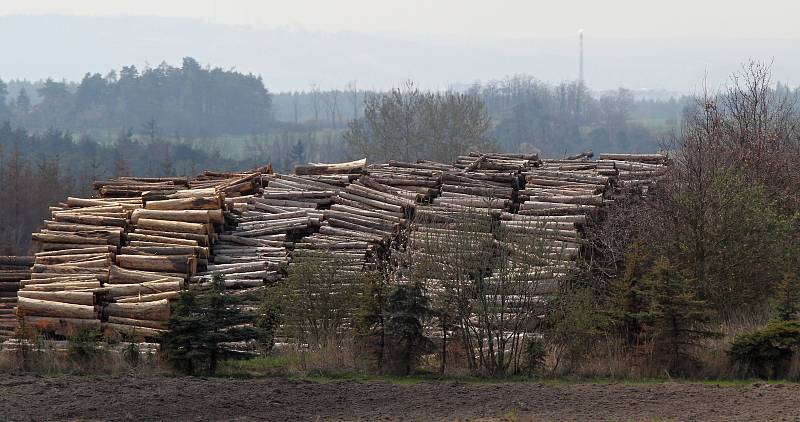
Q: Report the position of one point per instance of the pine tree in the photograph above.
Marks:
(23, 102)
(200, 322)
(370, 318)
(406, 309)
(628, 298)
(676, 318)
(298, 153)
(788, 297)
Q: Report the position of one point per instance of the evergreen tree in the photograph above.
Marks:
(5, 113)
(298, 153)
(371, 318)
(23, 102)
(406, 309)
(200, 322)
(675, 317)
(628, 298)
(788, 298)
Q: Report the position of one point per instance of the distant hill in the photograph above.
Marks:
(35, 47)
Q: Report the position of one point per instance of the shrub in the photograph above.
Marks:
(84, 346)
(131, 355)
(767, 352)
(574, 322)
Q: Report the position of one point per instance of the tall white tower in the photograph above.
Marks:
(580, 70)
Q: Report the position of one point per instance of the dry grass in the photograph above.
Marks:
(610, 359)
(40, 355)
(336, 354)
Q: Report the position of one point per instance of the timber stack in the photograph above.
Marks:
(77, 249)
(424, 178)
(362, 217)
(636, 173)
(114, 262)
(13, 269)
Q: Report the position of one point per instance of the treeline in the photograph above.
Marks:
(195, 102)
(38, 170)
(186, 101)
(529, 116)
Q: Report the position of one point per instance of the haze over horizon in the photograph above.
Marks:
(294, 46)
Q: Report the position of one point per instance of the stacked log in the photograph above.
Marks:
(251, 249)
(338, 168)
(485, 180)
(262, 227)
(136, 186)
(13, 269)
(172, 236)
(636, 172)
(496, 161)
(424, 179)
(366, 216)
(78, 246)
(564, 187)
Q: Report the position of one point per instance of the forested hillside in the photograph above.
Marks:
(186, 101)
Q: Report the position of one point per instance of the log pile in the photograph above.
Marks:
(365, 211)
(636, 172)
(78, 247)
(564, 187)
(114, 262)
(263, 227)
(137, 186)
(488, 181)
(13, 269)
(424, 179)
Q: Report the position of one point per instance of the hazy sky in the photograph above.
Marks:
(495, 18)
(675, 45)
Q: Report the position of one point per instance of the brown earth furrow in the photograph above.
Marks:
(72, 398)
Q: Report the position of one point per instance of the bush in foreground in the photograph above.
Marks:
(768, 351)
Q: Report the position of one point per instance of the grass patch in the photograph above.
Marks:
(281, 366)
(261, 366)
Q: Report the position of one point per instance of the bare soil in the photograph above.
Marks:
(28, 397)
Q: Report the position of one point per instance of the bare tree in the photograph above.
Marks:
(315, 99)
(352, 90)
(409, 124)
(762, 131)
(331, 100)
(489, 279)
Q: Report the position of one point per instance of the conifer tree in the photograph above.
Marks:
(406, 309)
(676, 318)
(200, 322)
(788, 297)
(628, 296)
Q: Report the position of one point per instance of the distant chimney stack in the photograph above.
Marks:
(580, 70)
